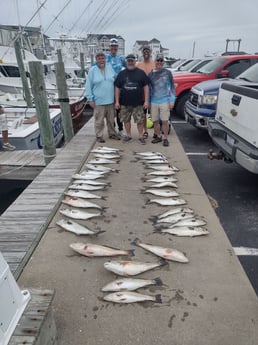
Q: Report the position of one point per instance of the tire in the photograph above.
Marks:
(180, 105)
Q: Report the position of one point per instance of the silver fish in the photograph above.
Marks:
(81, 203)
(131, 268)
(76, 228)
(161, 173)
(165, 253)
(164, 184)
(107, 155)
(87, 176)
(130, 297)
(156, 161)
(159, 167)
(90, 249)
(87, 187)
(148, 154)
(190, 222)
(108, 148)
(77, 214)
(161, 179)
(174, 218)
(100, 168)
(93, 171)
(130, 284)
(149, 158)
(103, 161)
(104, 151)
(174, 211)
(162, 192)
(185, 231)
(92, 182)
(167, 201)
(83, 194)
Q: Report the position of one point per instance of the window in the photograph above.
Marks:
(237, 67)
(10, 71)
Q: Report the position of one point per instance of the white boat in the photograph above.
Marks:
(23, 128)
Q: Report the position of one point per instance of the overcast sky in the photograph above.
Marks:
(184, 27)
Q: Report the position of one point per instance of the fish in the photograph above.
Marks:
(77, 202)
(154, 157)
(83, 194)
(107, 148)
(103, 161)
(93, 171)
(161, 167)
(165, 253)
(90, 250)
(104, 151)
(87, 176)
(161, 179)
(92, 182)
(130, 284)
(77, 228)
(77, 214)
(174, 218)
(148, 153)
(107, 155)
(164, 184)
(174, 211)
(156, 161)
(161, 173)
(87, 187)
(161, 192)
(131, 297)
(190, 222)
(185, 231)
(131, 268)
(101, 168)
(167, 201)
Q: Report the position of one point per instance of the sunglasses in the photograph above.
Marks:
(159, 60)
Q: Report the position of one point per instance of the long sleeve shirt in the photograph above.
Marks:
(161, 86)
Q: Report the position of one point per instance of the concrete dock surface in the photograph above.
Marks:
(208, 301)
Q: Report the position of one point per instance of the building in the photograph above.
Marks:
(100, 42)
(155, 46)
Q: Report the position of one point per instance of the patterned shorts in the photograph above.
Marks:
(128, 111)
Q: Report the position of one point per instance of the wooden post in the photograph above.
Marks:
(40, 96)
(82, 72)
(24, 79)
(64, 101)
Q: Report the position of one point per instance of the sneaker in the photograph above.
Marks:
(122, 134)
(165, 142)
(156, 140)
(114, 136)
(127, 139)
(8, 146)
(142, 141)
(100, 140)
(154, 136)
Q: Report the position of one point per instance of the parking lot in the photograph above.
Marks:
(233, 192)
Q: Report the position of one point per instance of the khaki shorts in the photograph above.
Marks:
(128, 111)
(3, 122)
(160, 111)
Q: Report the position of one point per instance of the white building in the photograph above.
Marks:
(155, 46)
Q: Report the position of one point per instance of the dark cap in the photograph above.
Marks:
(130, 57)
(159, 57)
(113, 42)
(146, 48)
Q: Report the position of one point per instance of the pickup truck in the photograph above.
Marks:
(226, 66)
(235, 127)
(202, 102)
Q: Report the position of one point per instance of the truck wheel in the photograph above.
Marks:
(181, 104)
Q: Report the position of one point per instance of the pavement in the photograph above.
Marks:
(206, 301)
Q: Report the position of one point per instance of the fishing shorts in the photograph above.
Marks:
(3, 122)
(128, 111)
(160, 111)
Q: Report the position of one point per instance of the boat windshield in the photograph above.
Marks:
(211, 66)
(10, 71)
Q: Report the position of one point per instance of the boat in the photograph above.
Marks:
(23, 128)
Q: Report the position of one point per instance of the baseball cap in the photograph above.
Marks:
(159, 57)
(113, 42)
(146, 48)
(130, 57)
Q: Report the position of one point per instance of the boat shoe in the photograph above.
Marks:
(8, 146)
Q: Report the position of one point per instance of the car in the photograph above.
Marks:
(193, 66)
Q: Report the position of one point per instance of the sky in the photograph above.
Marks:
(187, 28)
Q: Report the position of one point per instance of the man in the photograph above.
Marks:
(131, 96)
(4, 128)
(99, 90)
(118, 62)
(147, 65)
(162, 98)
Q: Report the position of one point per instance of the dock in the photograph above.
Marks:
(206, 301)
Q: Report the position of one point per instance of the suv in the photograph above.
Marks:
(221, 67)
(202, 103)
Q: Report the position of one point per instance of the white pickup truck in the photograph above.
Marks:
(235, 127)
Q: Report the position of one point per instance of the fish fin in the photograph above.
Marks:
(148, 201)
(136, 241)
(115, 170)
(99, 232)
(157, 230)
(103, 198)
(131, 252)
(158, 298)
(158, 281)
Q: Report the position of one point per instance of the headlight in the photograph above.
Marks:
(208, 99)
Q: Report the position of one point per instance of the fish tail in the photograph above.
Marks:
(131, 252)
(157, 230)
(158, 298)
(104, 198)
(99, 232)
(109, 184)
(163, 262)
(115, 170)
(136, 241)
(158, 281)
(148, 201)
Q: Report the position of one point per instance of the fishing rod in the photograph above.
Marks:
(77, 20)
(56, 17)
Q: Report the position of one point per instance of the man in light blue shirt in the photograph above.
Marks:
(99, 90)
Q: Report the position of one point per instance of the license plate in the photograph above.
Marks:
(229, 140)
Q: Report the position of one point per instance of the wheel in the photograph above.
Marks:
(180, 105)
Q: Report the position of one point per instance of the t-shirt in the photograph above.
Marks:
(131, 84)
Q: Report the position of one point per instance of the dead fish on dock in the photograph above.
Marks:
(107, 148)
(76, 214)
(92, 182)
(164, 184)
(190, 222)
(90, 249)
(161, 167)
(94, 167)
(87, 176)
(83, 194)
(87, 187)
(130, 284)
(174, 211)
(161, 173)
(103, 161)
(77, 202)
(76, 228)
(148, 154)
(167, 201)
(165, 253)
(155, 161)
(184, 231)
(107, 155)
(150, 158)
(131, 297)
(174, 218)
(131, 268)
(161, 179)
(161, 192)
